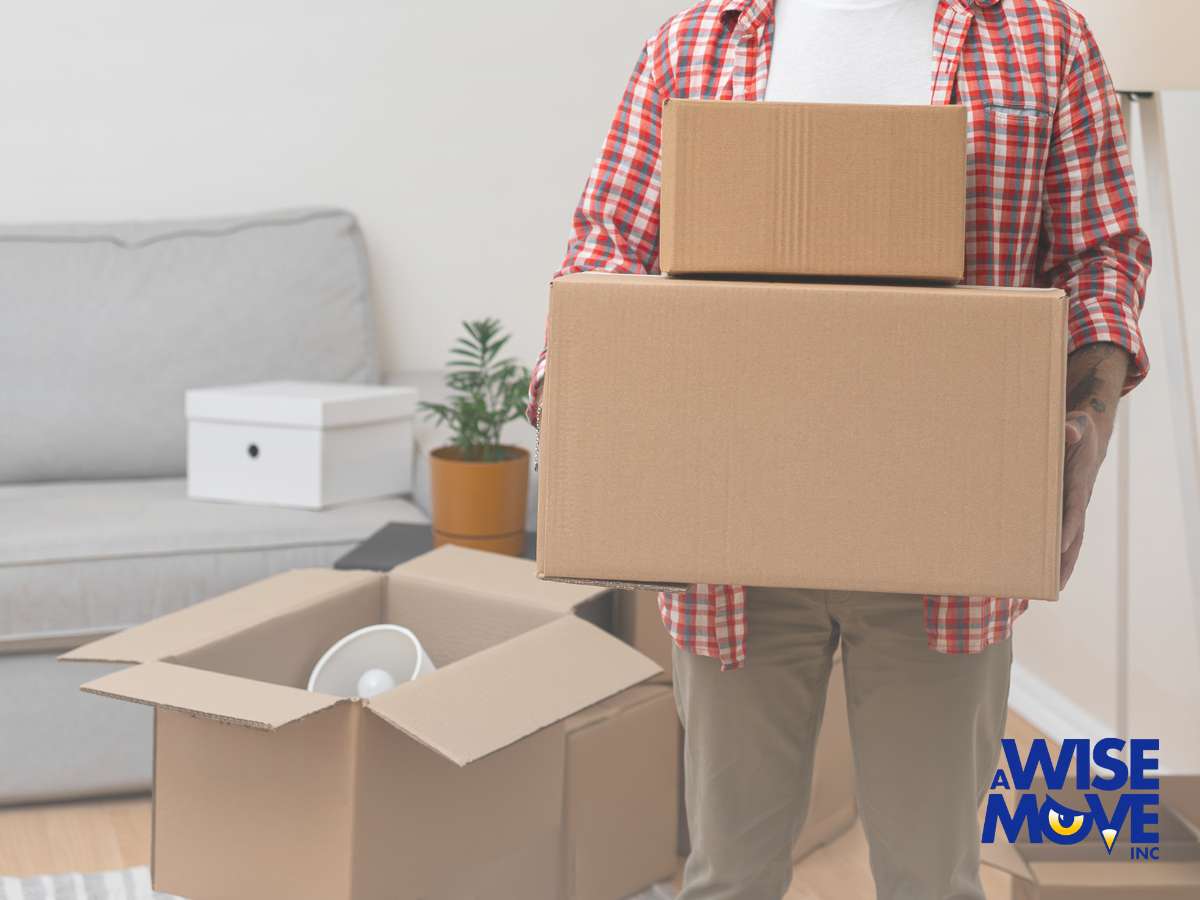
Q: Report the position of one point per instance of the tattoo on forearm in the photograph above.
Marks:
(1079, 392)
(1095, 375)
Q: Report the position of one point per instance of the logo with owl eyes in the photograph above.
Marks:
(1067, 826)
(1107, 794)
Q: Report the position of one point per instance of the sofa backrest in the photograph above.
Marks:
(103, 328)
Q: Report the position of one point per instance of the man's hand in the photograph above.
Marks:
(1095, 375)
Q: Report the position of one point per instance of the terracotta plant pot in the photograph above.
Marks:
(480, 504)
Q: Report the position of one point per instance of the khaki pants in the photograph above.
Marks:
(925, 728)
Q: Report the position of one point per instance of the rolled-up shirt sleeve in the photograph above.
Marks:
(615, 226)
(1092, 244)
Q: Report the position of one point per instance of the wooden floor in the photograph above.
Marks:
(110, 834)
(74, 837)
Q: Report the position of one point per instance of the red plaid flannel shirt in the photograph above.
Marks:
(1050, 202)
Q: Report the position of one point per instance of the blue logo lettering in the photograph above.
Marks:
(1099, 770)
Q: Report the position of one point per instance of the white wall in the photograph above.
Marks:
(461, 133)
(1066, 679)
(1164, 632)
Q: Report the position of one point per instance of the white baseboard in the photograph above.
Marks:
(1051, 712)
(1057, 717)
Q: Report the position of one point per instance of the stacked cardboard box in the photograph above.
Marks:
(536, 762)
(782, 189)
(782, 428)
(803, 399)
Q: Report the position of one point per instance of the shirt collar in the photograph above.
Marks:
(757, 11)
(753, 12)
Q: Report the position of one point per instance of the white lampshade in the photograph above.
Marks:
(1149, 45)
(370, 661)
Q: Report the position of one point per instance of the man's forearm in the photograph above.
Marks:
(1095, 376)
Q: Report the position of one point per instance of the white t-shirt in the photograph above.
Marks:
(852, 51)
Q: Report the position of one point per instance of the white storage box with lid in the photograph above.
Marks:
(291, 443)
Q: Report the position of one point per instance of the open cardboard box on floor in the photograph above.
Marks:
(1086, 871)
(533, 763)
(786, 434)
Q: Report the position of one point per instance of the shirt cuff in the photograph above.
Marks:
(1110, 321)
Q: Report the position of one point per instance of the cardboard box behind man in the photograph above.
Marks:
(1086, 871)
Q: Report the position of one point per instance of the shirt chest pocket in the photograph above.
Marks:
(1008, 149)
(1011, 141)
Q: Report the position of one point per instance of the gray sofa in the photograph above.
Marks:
(102, 328)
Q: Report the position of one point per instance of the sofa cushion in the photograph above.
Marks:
(103, 328)
(61, 743)
(79, 559)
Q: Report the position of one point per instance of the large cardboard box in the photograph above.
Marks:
(480, 780)
(836, 436)
(813, 189)
(1046, 871)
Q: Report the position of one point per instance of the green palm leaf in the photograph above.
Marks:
(488, 392)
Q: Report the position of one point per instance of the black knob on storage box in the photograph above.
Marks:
(253, 451)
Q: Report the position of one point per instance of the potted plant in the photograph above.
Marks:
(479, 484)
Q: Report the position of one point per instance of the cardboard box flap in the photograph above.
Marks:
(669, 587)
(1006, 858)
(221, 616)
(227, 698)
(495, 575)
(494, 698)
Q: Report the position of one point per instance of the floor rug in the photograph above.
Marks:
(134, 884)
(119, 884)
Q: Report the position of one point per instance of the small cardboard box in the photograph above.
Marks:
(299, 444)
(813, 189)
(470, 782)
(852, 437)
(1046, 871)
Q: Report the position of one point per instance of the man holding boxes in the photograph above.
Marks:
(1049, 203)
